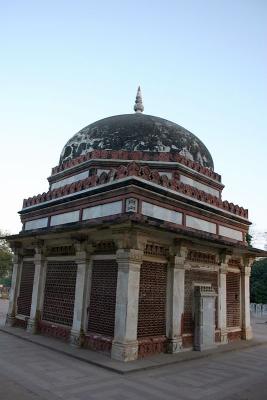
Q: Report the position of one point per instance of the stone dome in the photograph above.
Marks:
(137, 132)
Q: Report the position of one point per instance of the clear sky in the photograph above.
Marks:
(65, 64)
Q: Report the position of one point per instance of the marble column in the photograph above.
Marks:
(125, 343)
(175, 303)
(83, 279)
(222, 306)
(245, 299)
(37, 290)
(14, 290)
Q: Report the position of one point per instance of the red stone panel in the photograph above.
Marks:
(233, 299)
(59, 292)
(234, 336)
(152, 300)
(57, 331)
(103, 297)
(191, 277)
(25, 292)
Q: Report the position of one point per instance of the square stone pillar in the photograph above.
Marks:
(204, 316)
(222, 306)
(175, 303)
(245, 299)
(37, 290)
(125, 343)
(14, 290)
(83, 279)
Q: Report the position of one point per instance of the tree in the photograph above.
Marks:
(5, 262)
(258, 282)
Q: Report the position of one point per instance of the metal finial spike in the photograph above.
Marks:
(138, 107)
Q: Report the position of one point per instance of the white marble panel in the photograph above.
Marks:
(99, 171)
(36, 224)
(200, 186)
(131, 205)
(230, 233)
(151, 210)
(168, 174)
(200, 224)
(65, 218)
(103, 210)
(70, 179)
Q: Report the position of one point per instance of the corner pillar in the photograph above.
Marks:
(222, 305)
(14, 290)
(37, 290)
(175, 303)
(84, 270)
(125, 343)
(245, 299)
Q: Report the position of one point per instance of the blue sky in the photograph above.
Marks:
(65, 64)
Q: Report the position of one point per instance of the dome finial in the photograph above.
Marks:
(138, 107)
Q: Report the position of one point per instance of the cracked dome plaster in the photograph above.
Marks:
(137, 132)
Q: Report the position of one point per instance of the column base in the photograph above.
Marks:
(224, 337)
(124, 351)
(10, 320)
(246, 333)
(32, 326)
(203, 347)
(174, 345)
(76, 339)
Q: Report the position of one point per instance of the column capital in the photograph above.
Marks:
(247, 261)
(177, 262)
(126, 239)
(246, 270)
(83, 251)
(223, 268)
(179, 250)
(129, 256)
(17, 257)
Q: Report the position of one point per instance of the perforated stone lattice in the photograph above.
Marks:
(103, 297)
(25, 292)
(152, 300)
(59, 292)
(233, 299)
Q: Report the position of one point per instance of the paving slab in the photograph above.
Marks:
(104, 361)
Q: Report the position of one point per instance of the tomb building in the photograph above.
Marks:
(132, 250)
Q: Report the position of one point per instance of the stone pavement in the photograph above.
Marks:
(31, 372)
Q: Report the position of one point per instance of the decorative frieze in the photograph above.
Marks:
(138, 155)
(234, 262)
(198, 256)
(153, 249)
(104, 247)
(70, 180)
(145, 173)
(199, 185)
(67, 250)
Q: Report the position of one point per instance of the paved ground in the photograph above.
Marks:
(28, 371)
